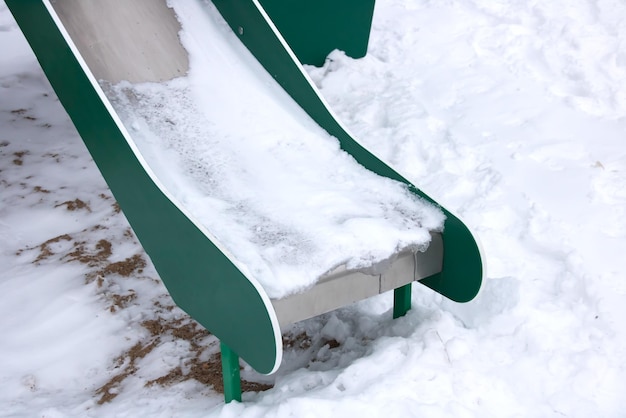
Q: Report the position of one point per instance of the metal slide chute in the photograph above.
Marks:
(85, 45)
(462, 273)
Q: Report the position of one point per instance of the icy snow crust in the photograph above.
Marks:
(273, 187)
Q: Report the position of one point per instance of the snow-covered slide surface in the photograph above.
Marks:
(246, 162)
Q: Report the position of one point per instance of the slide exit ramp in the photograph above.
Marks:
(78, 43)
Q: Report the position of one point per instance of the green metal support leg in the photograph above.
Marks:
(401, 300)
(231, 378)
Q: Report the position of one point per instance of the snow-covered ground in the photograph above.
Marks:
(511, 113)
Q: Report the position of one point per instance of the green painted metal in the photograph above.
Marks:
(313, 28)
(462, 273)
(401, 300)
(231, 374)
(200, 278)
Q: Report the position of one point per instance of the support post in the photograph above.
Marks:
(231, 377)
(401, 300)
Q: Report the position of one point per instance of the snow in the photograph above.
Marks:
(511, 113)
(280, 197)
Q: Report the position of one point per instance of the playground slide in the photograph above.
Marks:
(107, 60)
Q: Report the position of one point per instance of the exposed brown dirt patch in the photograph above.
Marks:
(73, 205)
(44, 248)
(207, 372)
(125, 268)
(19, 157)
(332, 343)
(39, 189)
(82, 253)
(169, 308)
(127, 361)
(182, 328)
(121, 301)
(299, 341)
(56, 157)
(200, 358)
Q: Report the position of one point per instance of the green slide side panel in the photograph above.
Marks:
(462, 273)
(200, 278)
(313, 28)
